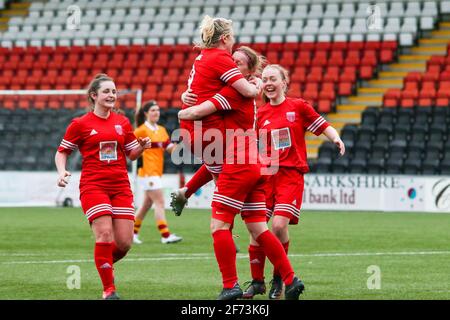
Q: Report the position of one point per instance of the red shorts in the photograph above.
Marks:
(240, 189)
(284, 194)
(97, 202)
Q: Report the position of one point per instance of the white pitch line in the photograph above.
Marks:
(203, 256)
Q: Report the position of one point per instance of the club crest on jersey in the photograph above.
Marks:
(119, 129)
(290, 116)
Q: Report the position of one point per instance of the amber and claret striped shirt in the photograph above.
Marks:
(153, 159)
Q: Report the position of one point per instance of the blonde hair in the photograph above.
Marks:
(284, 76)
(95, 85)
(211, 29)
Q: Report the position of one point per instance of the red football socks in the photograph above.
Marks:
(257, 262)
(104, 262)
(275, 252)
(225, 252)
(200, 178)
(276, 272)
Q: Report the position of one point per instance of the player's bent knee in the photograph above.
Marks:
(279, 228)
(104, 235)
(123, 246)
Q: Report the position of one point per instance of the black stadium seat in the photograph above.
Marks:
(370, 116)
(327, 150)
(394, 165)
(375, 165)
(412, 166)
(358, 166)
(341, 164)
(445, 166)
(361, 150)
(430, 166)
(323, 165)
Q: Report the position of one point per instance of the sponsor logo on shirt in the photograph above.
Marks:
(108, 150)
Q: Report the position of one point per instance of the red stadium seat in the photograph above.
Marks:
(442, 102)
(303, 59)
(323, 46)
(386, 56)
(299, 75)
(413, 77)
(290, 46)
(369, 58)
(391, 98)
(331, 74)
(366, 72)
(355, 45)
(23, 104)
(372, 45)
(324, 106)
(336, 58)
(163, 104)
(425, 102)
(345, 89)
(389, 45)
(295, 89)
(320, 58)
(339, 46)
(352, 58)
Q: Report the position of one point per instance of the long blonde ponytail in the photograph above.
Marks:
(211, 29)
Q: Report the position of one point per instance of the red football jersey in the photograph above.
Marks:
(284, 127)
(211, 71)
(103, 144)
(240, 123)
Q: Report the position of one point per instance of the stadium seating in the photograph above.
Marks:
(431, 88)
(320, 71)
(393, 140)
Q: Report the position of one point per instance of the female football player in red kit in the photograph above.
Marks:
(104, 139)
(212, 70)
(240, 187)
(284, 121)
(280, 119)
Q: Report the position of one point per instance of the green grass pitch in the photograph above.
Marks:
(331, 251)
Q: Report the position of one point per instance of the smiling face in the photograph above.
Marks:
(274, 86)
(241, 61)
(106, 95)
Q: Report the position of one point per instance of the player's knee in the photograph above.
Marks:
(104, 235)
(159, 204)
(279, 228)
(217, 225)
(123, 246)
